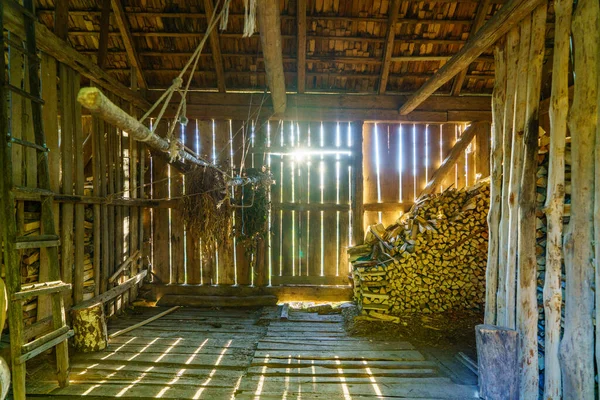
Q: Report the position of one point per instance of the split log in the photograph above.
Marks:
(559, 107)
(512, 49)
(516, 169)
(89, 325)
(497, 362)
(527, 310)
(498, 99)
(577, 346)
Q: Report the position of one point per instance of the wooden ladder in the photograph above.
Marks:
(56, 335)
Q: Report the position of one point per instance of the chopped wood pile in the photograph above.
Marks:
(88, 267)
(432, 259)
(30, 264)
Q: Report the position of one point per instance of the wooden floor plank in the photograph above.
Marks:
(398, 355)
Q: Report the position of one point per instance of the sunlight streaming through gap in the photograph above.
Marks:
(414, 157)
(213, 372)
(373, 381)
(142, 350)
(117, 349)
(102, 382)
(261, 379)
(135, 382)
(270, 240)
(168, 350)
(342, 379)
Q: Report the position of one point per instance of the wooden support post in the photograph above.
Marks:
(497, 365)
(50, 111)
(358, 210)
(215, 48)
(516, 170)
(79, 190)
(97, 135)
(301, 45)
(268, 15)
(577, 346)
(457, 151)
(498, 99)
(509, 15)
(512, 51)
(559, 108)
(67, 107)
(161, 239)
(482, 11)
(389, 45)
(527, 309)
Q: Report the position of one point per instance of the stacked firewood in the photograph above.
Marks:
(432, 259)
(30, 264)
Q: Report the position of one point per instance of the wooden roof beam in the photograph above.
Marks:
(123, 26)
(478, 22)
(267, 12)
(61, 19)
(104, 30)
(389, 45)
(49, 43)
(301, 33)
(215, 47)
(508, 16)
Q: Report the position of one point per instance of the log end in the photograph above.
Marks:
(89, 97)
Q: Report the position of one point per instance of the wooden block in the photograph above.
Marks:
(498, 366)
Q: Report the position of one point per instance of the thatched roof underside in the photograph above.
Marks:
(344, 45)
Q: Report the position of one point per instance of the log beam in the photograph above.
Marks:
(482, 10)
(123, 25)
(508, 16)
(389, 45)
(49, 43)
(215, 48)
(270, 37)
(301, 33)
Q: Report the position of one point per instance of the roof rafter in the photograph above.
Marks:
(478, 22)
(215, 47)
(123, 26)
(301, 32)
(389, 45)
(104, 29)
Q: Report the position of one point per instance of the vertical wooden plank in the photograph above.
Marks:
(241, 141)
(207, 261)
(66, 109)
(134, 212)
(261, 271)
(420, 161)
(79, 186)
(28, 134)
(435, 157)
(50, 112)
(177, 226)
(343, 197)
(356, 189)
(16, 71)
(192, 250)
(470, 153)
(461, 163)
(406, 162)
(161, 239)
(448, 142)
(370, 156)
(330, 220)
(97, 129)
(390, 172)
(482, 156)
(314, 197)
(226, 271)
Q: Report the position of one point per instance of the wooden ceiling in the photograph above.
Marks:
(345, 49)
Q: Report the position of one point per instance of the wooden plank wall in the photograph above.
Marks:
(86, 158)
(399, 160)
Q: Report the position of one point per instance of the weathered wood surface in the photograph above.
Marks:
(498, 99)
(577, 346)
(218, 301)
(498, 366)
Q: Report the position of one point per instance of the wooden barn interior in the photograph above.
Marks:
(300, 199)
